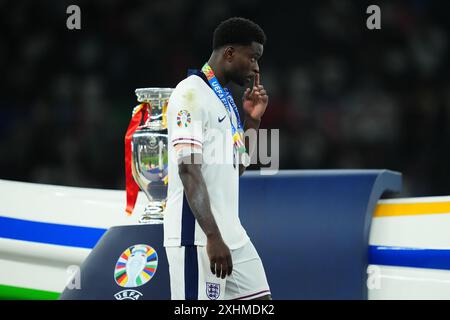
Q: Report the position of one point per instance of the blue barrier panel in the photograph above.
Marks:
(311, 228)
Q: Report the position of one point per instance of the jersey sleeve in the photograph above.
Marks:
(186, 116)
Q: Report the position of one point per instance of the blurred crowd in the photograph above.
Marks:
(341, 95)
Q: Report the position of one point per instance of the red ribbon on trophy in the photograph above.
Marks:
(139, 117)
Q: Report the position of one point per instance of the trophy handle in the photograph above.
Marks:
(141, 182)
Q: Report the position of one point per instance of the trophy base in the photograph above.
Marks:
(153, 214)
(151, 219)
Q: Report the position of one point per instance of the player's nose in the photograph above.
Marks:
(256, 68)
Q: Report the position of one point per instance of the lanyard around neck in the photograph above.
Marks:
(228, 101)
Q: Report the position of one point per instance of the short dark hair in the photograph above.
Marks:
(237, 30)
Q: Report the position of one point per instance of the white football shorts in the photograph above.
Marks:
(191, 277)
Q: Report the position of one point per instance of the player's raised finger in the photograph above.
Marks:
(256, 83)
(247, 93)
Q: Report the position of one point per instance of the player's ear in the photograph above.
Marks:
(228, 53)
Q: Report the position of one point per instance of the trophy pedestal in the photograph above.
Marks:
(153, 214)
(102, 271)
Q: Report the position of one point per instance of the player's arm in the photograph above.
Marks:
(249, 124)
(189, 169)
(254, 103)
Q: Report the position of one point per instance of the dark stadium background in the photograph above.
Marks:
(342, 96)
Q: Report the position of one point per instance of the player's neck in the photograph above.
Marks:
(218, 72)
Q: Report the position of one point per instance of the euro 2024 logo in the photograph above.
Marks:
(134, 268)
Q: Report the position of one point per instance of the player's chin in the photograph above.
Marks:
(243, 81)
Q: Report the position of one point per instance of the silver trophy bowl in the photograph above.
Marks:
(150, 154)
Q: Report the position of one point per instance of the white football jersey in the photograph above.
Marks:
(195, 115)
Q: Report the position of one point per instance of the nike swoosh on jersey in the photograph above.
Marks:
(220, 120)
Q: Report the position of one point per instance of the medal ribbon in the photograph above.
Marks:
(228, 101)
(140, 115)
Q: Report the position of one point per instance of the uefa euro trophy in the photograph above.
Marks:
(149, 154)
